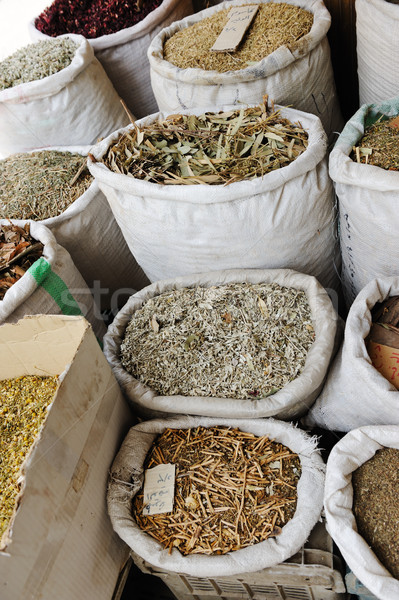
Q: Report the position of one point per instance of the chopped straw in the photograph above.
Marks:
(232, 490)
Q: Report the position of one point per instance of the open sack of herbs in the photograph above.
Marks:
(361, 503)
(243, 343)
(244, 168)
(364, 166)
(54, 186)
(24, 405)
(235, 496)
(284, 51)
(119, 33)
(52, 76)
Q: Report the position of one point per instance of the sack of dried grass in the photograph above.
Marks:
(290, 401)
(39, 185)
(126, 478)
(297, 73)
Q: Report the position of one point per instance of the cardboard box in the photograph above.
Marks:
(62, 545)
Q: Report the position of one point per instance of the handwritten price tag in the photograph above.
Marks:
(240, 19)
(159, 489)
(385, 360)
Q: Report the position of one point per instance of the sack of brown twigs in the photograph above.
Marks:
(37, 276)
(242, 495)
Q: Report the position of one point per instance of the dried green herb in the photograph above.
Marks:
(213, 148)
(376, 505)
(232, 490)
(24, 403)
(36, 61)
(232, 341)
(275, 25)
(379, 145)
(40, 185)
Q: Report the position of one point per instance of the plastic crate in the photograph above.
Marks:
(354, 586)
(314, 573)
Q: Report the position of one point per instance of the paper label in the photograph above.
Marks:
(386, 360)
(159, 489)
(240, 19)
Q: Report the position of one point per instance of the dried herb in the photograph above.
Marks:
(379, 145)
(376, 506)
(18, 252)
(93, 18)
(36, 61)
(232, 341)
(274, 25)
(41, 184)
(24, 406)
(213, 148)
(232, 490)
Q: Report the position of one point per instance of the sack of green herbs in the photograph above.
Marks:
(364, 166)
(55, 93)
(53, 186)
(243, 343)
(355, 392)
(50, 285)
(222, 189)
(285, 53)
(120, 34)
(127, 475)
(377, 23)
(361, 506)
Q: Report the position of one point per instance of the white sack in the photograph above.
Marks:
(77, 105)
(355, 393)
(290, 402)
(124, 54)
(282, 220)
(302, 79)
(368, 207)
(127, 469)
(377, 34)
(52, 285)
(348, 454)
(88, 231)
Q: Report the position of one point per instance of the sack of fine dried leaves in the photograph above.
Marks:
(126, 478)
(52, 285)
(292, 401)
(300, 77)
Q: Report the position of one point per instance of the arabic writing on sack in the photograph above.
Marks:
(159, 489)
